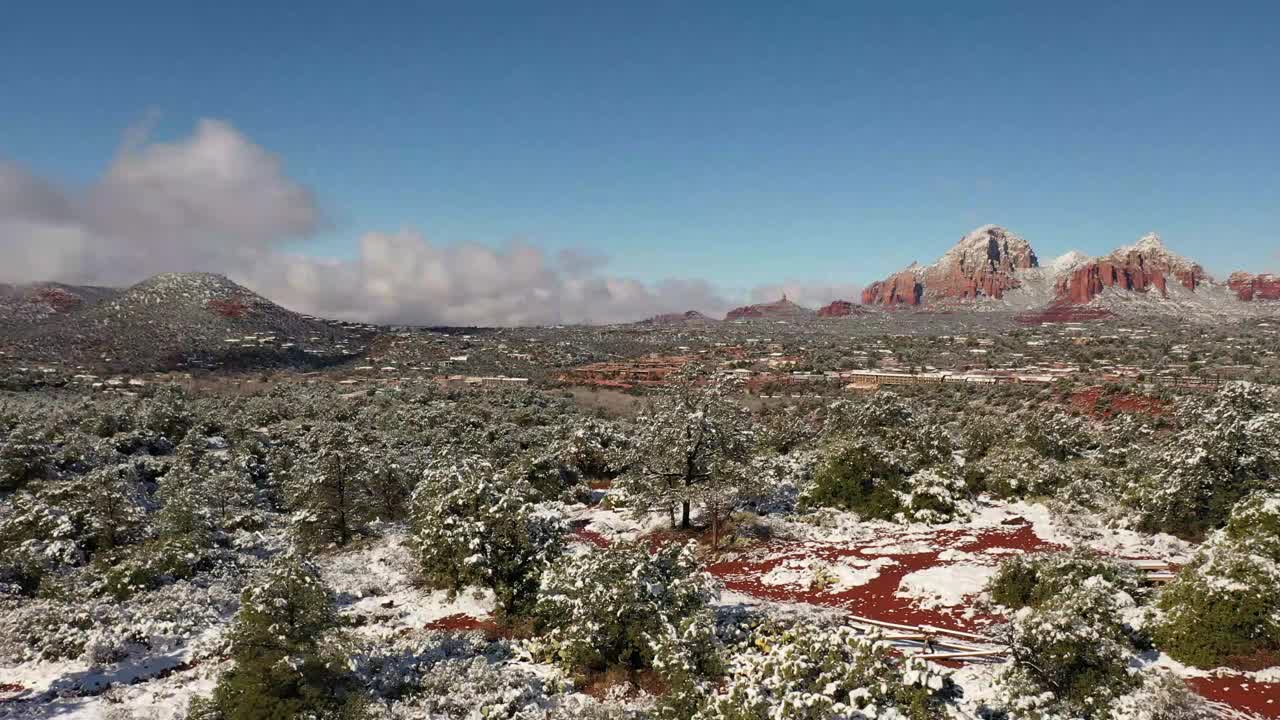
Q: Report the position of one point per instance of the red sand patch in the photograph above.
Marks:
(741, 571)
(464, 623)
(1094, 402)
(878, 598)
(228, 307)
(60, 300)
(1063, 312)
(1241, 693)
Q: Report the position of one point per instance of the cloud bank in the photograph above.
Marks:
(217, 202)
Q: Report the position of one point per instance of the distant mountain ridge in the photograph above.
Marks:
(176, 320)
(993, 266)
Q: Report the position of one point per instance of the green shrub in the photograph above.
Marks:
(612, 608)
(1224, 607)
(817, 673)
(283, 668)
(1034, 580)
(147, 566)
(474, 526)
(1069, 658)
(856, 476)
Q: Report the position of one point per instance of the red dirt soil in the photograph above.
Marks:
(1063, 312)
(1087, 401)
(1241, 694)
(228, 307)
(876, 599)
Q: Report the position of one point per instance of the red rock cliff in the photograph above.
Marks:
(1248, 286)
(900, 289)
(982, 265)
(1137, 268)
(840, 308)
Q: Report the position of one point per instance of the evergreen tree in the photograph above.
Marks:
(327, 492)
(472, 525)
(283, 668)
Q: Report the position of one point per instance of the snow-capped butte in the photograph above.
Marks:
(983, 264)
(994, 266)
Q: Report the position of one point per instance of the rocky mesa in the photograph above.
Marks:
(1142, 267)
(983, 264)
(1249, 287)
(782, 309)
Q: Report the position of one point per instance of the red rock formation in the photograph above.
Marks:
(1138, 268)
(982, 265)
(900, 289)
(1248, 286)
(783, 309)
(746, 312)
(840, 308)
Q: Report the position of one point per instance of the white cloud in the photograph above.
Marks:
(201, 203)
(215, 201)
(402, 277)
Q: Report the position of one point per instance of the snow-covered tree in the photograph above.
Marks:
(111, 504)
(326, 486)
(1069, 659)
(614, 607)
(282, 667)
(25, 454)
(825, 673)
(934, 496)
(692, 444)
(1225, 603)
(473, 526)
(1228, 446)
(1038, 579)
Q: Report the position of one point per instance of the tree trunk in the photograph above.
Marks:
(715, 531)
(684, 515)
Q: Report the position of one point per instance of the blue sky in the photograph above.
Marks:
(739, 142)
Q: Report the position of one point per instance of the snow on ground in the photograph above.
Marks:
(377, 582)
(946, 585)
(155, 687)
(833, 577)
(829, 565)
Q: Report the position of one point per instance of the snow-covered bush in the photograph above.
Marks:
(1056, 435)
(283, 666)
(692, 447)
(855, 475)
(1228, 447)
(867, 478)
(25, 454)
(127, 571)
(1162, 696)
(1069, 658)
(616, 606)
(1224, 606)
(935, 496)
(472, 525)
(103, 630)
(1039, 579)
(817, 673)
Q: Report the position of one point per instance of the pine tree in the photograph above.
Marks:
(472, 525)
(282, 666)
(326, 487)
